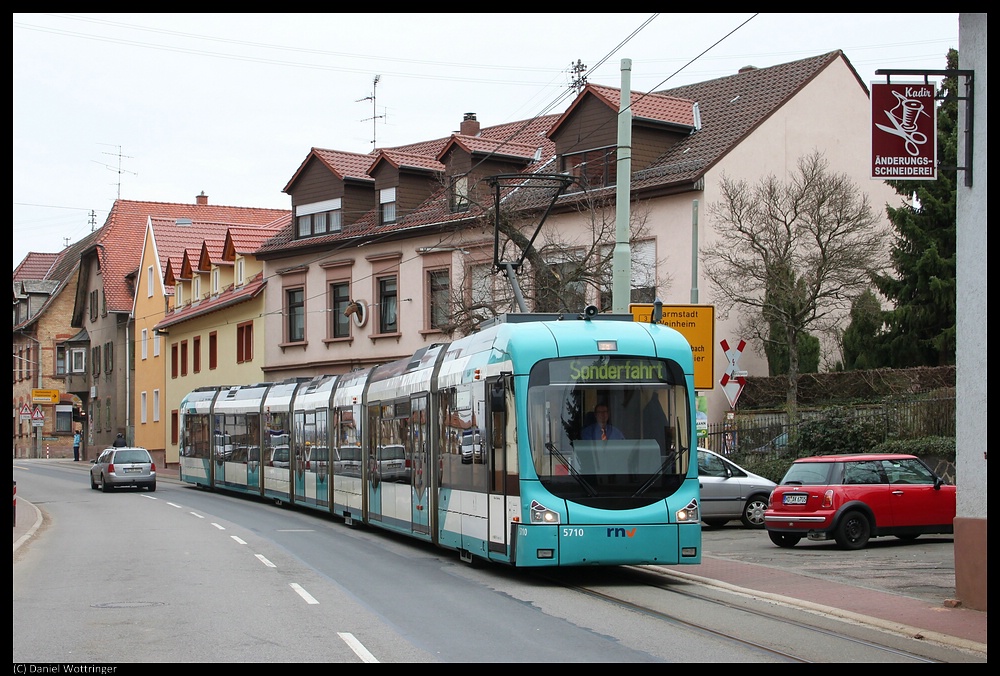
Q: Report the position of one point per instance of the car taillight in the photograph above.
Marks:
(111, 467)
(152, 467)
(828, 498)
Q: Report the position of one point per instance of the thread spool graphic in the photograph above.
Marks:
(907, 111)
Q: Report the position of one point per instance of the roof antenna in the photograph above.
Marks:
(374, 117)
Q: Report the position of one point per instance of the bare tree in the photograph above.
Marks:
(792, 256)
(564, 268)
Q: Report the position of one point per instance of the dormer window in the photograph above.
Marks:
(215, 281)
(387, 206)
(196, 289)
(592, 168)
(179, 295)
(318, 218)
(459, 199)
(240, 265)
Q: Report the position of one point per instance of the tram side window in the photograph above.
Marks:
(196, 436)
(460, 439)
(276, 437)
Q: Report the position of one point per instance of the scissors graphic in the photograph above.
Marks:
(909, 133)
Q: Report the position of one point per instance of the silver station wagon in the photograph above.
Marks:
(123, 466)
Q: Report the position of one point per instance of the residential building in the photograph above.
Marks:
(215, 329)
(44, 354)
(121, 294)
(405, 234)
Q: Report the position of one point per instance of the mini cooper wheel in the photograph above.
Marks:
(853, 531)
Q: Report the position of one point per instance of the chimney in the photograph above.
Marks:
(746, 69)
(201, 199)
(470, 126)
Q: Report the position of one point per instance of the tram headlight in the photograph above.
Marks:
(690, 513)
(546, 516)
(542, 514)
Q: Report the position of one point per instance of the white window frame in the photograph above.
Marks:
(149, 282)
(78, 360)
(215, 281)
(196, 289)
(156, 344)
(143, 343)
(240, 265)
(156, 406)
(179, 294)
(387, 196)
(142, 407)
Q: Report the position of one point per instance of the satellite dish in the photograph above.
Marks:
(357, 310)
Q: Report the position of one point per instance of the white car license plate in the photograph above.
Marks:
(133, 470)
(794, 498)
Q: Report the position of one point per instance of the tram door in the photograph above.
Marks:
(417, 460)
(372, 473)
(501, 459)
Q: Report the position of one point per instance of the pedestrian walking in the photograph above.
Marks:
(76, 446)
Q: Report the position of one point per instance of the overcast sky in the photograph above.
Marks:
(162, 107)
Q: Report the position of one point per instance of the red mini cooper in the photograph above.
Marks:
(853, 498)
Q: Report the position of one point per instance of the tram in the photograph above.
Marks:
(483, 445)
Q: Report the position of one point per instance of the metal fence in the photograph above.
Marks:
(766, 432)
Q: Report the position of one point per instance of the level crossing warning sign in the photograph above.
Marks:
(733, 380)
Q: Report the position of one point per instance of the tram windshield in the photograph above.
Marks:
(611, 431)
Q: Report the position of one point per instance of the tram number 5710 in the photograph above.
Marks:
(572, 532)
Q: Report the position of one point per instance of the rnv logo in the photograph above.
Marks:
(621, 532)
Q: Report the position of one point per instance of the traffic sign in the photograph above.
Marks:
(25, 412)
(37, 417)
(697, 324)
(45, 396)
(734, 379)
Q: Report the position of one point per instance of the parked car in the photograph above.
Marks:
(348, 462)
(730, 492)
(280, 457)
(123, 466)
(317, 459)
(853, 498)
(393, 465)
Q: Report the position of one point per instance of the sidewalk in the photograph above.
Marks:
(958, 627)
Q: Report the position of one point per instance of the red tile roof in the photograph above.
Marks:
(342, 164)
(211, 254)
(409, 160)
(35, 266)
(231, 296)
(730, 108)
(653, 106)
(493, 147)
(241, 241)
(120, 239)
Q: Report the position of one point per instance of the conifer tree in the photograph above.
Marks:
(920, 324)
